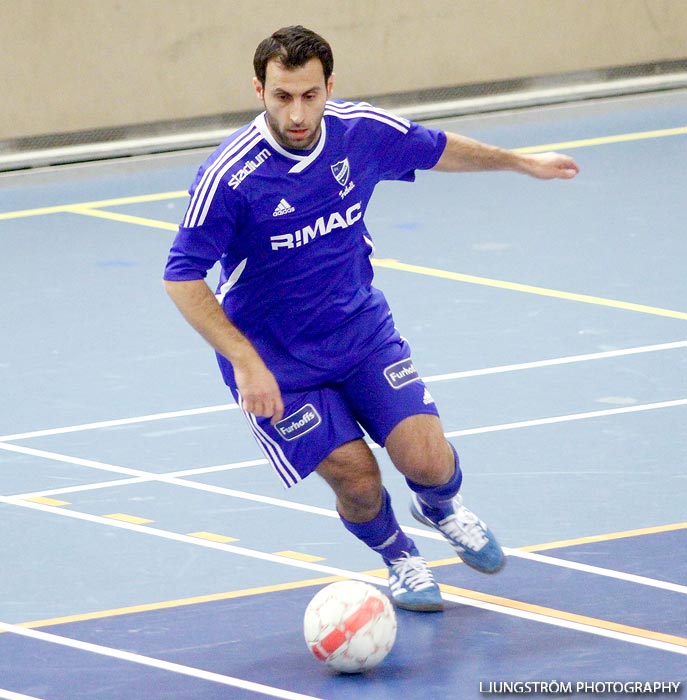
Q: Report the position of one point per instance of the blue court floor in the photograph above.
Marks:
(149, 553)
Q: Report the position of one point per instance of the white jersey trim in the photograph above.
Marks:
(202, 197)
(205, 191)
(302, 162)
(233, 279)
(357, 110)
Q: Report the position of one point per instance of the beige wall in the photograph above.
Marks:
(69, 65)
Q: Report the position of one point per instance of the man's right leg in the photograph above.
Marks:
(364, 507)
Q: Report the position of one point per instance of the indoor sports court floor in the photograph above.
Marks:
(149, 553)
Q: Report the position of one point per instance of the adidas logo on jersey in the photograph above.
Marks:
(283, 208)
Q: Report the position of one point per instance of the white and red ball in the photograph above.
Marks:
(350, 626)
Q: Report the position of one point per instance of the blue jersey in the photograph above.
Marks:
(288, 228)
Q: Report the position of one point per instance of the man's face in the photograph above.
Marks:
(294, 101)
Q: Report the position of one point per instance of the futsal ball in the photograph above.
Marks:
(350, 625)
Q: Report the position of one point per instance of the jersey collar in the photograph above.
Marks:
(302, 162)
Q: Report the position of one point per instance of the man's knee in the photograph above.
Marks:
(353, 474)
(420, 451)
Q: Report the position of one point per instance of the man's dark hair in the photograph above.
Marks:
(293, 47)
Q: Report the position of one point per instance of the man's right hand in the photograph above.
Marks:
(257, 385)
(260, 394)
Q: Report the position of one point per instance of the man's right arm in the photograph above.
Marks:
(257, 385)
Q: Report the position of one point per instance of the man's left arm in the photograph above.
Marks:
(463, 154)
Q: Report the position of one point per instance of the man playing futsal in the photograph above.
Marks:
(305, 343)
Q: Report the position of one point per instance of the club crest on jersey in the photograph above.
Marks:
(299, 423)
(401, 373)
(341, 171)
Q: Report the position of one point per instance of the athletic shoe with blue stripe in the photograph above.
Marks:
(412, 584)
(473, 541)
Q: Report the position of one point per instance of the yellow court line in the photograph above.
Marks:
(529, 289)
(566, 543)
(565, 616)
(213, 537)
(126, 518)
(61, 208)
(508, 603)
(24, 213)
(210, 598)
(321, 581)
(602, 140)
(48, 501)
(124, 218)
(299, 556)
(604, 538)
(136, 199)
(417, 269)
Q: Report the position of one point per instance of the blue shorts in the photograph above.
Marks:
(375, 397)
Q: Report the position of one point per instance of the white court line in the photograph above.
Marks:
(145, 476)
(568, 624)
(244, 551)
(159, 664)
(121, 421)
(558, 361)
(168, 478)
(20, 499)
(434, 378)
(9, 695)
(218, 468)
(566, 418)
(598, 571)
(174, 480)
(140, 475)
(188, 539)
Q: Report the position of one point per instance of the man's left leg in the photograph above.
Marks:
(364, 506)
(430, 463)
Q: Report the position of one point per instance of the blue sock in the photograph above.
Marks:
(383, 533)
(437, 501)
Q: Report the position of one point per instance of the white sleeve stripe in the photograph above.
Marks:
(202, 197)
(376, 116)
(197, 197)
(363, 108)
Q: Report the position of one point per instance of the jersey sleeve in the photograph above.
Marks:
(204, 235)
(404, 152)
